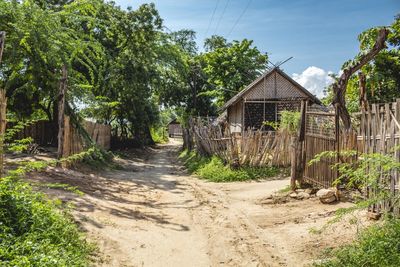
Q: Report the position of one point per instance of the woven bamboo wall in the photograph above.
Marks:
(274, 87)
(265, 89)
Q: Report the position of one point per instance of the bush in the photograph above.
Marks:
(34, 232)
(213, 169)
(378, 245)
(290, 121)
(159, 134)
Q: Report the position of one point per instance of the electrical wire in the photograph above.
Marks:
(212, 18)
(239, 18)
(222, 15)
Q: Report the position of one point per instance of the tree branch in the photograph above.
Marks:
(340, 86)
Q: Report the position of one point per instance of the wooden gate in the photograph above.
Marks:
(321, 134)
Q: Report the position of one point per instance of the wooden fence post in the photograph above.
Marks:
(61, 111)
(297, 155)
(293, 162)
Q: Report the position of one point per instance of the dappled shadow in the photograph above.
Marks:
(131, 186)
(160, 220)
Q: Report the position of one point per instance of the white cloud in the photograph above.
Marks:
(314, 80)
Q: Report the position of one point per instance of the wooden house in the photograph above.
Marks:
(174, 128)
(263, 101)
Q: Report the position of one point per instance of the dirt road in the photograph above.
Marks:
(152, 213)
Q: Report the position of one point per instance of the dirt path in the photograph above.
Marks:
(153, 214)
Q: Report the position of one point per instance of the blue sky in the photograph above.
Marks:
(320, 34)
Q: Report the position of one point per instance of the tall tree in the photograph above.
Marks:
(231, 66)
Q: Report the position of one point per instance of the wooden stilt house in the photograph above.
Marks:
(174, 128)
(263, 101)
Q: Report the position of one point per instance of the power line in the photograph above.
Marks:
(239, 18)
(222, 15)
(212, 18)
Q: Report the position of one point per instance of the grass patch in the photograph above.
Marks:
(378, 245)
(34, 231)
(286, 189)
(213, 169)
(62, 186)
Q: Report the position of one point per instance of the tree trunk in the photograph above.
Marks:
(363, 93)
(61, 112)
(2, 41)
(187, 139)
(3, 109)
(147, 137)
(340, 86)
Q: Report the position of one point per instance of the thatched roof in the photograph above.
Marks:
(239, 96)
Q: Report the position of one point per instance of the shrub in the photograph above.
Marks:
(213, 169)
(34, 232)
(378, 245)
(159, 134)
(290, 121)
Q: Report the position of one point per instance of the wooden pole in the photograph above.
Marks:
(293, 162)
(300, 150)
(61, 111)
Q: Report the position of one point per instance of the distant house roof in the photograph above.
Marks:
(174, 121)
(239, 96)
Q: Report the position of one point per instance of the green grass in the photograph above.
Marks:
(286, 189)
(378, 245)
(62, 186)
(34, 231)
(159, 135)
(213, 169)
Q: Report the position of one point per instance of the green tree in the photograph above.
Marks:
(382, 74)
(231, 67)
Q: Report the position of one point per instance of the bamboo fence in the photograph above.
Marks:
(44, 133)
(379, 132)
(251, 148)
(73, 141)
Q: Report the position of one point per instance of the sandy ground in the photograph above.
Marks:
(151, 213)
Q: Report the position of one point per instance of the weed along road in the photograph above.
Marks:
(151, 212)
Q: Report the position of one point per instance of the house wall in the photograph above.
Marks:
(276, 90)
(174, 130)
(265, 89)
(235, 117)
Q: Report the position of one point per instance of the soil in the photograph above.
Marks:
(152, 213)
